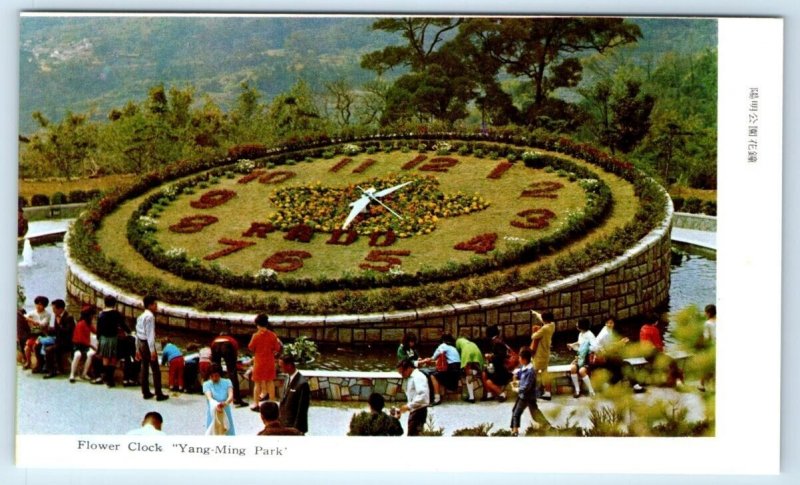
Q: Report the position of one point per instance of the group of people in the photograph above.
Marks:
(48, 341)
(428, 378)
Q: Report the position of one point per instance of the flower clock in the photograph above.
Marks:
(366, 218)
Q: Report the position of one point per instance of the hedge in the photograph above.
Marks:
(85, 249)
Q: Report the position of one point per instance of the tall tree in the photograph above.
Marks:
(439, 86)
(64, 147)
(546, 51)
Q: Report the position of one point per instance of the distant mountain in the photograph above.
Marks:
(98, 63)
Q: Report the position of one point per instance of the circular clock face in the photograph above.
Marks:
(383, 213)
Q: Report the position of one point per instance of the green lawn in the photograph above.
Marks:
(252, 204)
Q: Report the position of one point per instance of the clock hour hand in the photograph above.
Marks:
(358, 206)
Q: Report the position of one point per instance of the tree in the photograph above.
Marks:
(344, 100)
(295, 112)
(440, 84)
(618, 117)
(62, 147)
(422, 36)
(546, 51)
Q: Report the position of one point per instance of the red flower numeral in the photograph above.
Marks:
(499, 170)
(300, 232)
(414, 162)
(213, 198)
(233, 247)
(250, 177)
(365, 165)
(439, 164)
(534, 218)
(479, 244)
(382, 239)
(192, 224)
(341, 164)
(286, 261)
(259, 229)
(336, 237)
(384, 256)
(276, 177)
(543, 190)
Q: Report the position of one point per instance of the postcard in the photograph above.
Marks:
(312, 242)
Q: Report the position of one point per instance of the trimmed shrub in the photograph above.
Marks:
(76, 196)
(709, 207)
(58, 198)
(692, 205)
(40, 200)
(22, 202)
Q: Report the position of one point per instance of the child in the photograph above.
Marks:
(526, 396)
(581, 362)
(171, 354)
(82, 343)
(39, 322)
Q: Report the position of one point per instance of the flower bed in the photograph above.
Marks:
(426, 289)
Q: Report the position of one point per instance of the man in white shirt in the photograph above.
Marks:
(151, 425)
(418, 394)
(146, 349)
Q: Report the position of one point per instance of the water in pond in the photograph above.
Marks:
(693, 282)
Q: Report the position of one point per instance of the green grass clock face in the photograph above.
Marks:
(288, 221)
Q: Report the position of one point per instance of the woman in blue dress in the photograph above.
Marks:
(219, 393)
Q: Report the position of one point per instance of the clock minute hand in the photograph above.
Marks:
(372, 197)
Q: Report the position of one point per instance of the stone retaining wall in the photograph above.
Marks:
(632, 284)
(700, 222)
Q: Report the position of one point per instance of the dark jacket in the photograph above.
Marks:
(110, 322)
(276, 429)
(65, 326)
(294, 404)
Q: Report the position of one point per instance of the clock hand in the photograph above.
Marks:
(390, 189)
(372, 197)
(358, 206)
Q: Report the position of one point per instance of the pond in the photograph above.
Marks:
(693, 283)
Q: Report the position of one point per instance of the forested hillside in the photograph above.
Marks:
(126, 94)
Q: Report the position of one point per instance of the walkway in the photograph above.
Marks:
(694, 237)
(55, 406)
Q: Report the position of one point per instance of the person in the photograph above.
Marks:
(219, 396)
(607, 349)
(146, 349)
(82, 343)
(171, 355)
(418, 395)
(472, 363)
(204, 361)
(126, 355)
(270, 416)
(63, 328)
(374, 422)
(526, 395)
(709, 341)
(225, 347)
(652, 348)
(264, 344)
(580, 365)
(296, 397)
(151, 425)
(543, 328)
(110, 324)
(496, 376)
(408, 348)
(447, 377)
(39, 321)
(23, 334)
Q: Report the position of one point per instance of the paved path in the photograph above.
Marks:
(54, 406)
(704, 239)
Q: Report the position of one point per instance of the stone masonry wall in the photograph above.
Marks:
(634, 283)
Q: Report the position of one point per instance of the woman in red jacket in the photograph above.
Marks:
(265, 345)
